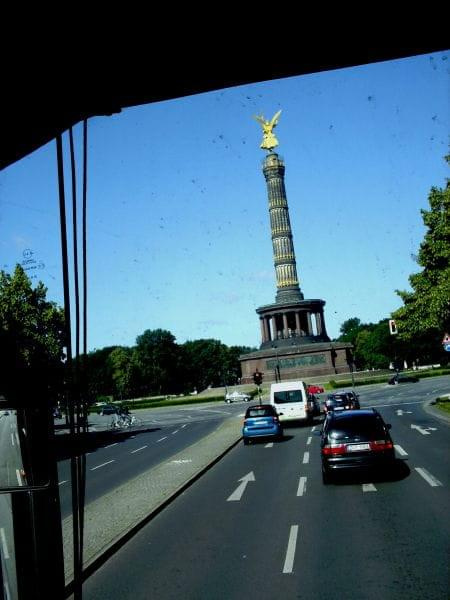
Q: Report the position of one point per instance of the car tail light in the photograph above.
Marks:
(331, 449)
(379, 445)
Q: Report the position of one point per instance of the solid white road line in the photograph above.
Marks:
(160, 440)
(428, 477)
(102, 465)
(368, 487)
(111, 445)
(138, 449)
(301, 486)
(269, 445)
(400, 450)
(290, 553)
(308, 441)
(61, 482)
(19, 477)
(306, 458)
(4, 544)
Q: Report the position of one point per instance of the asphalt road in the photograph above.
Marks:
(160, 434)
(260, 523)
(11, 466)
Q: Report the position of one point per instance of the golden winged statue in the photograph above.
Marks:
(269, 140)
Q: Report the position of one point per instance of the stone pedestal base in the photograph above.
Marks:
(297, 362)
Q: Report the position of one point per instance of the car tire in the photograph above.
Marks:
(326, 476)
(246, 441)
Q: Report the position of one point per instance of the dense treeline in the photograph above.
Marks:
(157, 365)
(376, 348)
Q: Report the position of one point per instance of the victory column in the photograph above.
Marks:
(294, 341)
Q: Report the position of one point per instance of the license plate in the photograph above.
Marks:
(357, 447)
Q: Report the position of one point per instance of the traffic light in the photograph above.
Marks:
(257, 377)
(392, 327)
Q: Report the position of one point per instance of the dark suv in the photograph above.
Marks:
(341, 401)
(355, 439)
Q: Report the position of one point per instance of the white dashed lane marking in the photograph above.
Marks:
(308, 441)
(368, 487)
(306, 458)
(301, 486)
(290, 552)
(138, 449)
(269, 445)
(102, 465)
(400, 450)
(429, 478)
(4, 544)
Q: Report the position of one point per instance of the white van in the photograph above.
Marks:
(290, 400)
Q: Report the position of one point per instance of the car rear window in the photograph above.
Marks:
(287, 396)
(260, 412)
(367, 426)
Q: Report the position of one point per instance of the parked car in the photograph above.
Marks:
(236, 396)
(261, 421)
(401, 378)
(108, 409)
(355, 439)
(315, 389)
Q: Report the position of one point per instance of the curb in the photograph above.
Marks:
(435, 412)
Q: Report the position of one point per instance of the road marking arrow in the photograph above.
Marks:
(422, 431)
(238, 492)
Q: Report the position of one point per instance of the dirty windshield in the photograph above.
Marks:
(160, 259)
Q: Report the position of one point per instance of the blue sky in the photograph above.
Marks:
(178, 223)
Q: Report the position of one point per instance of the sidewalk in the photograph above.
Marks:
(116, 516)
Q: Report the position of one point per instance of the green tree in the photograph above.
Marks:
(425, 314)
(99, 373)
(375, 347)
(232, 364)
(157, 357)
(349, 330)
(31, 337)
(205, 362)
(121, 363)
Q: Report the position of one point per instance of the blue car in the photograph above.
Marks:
(261, 421)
